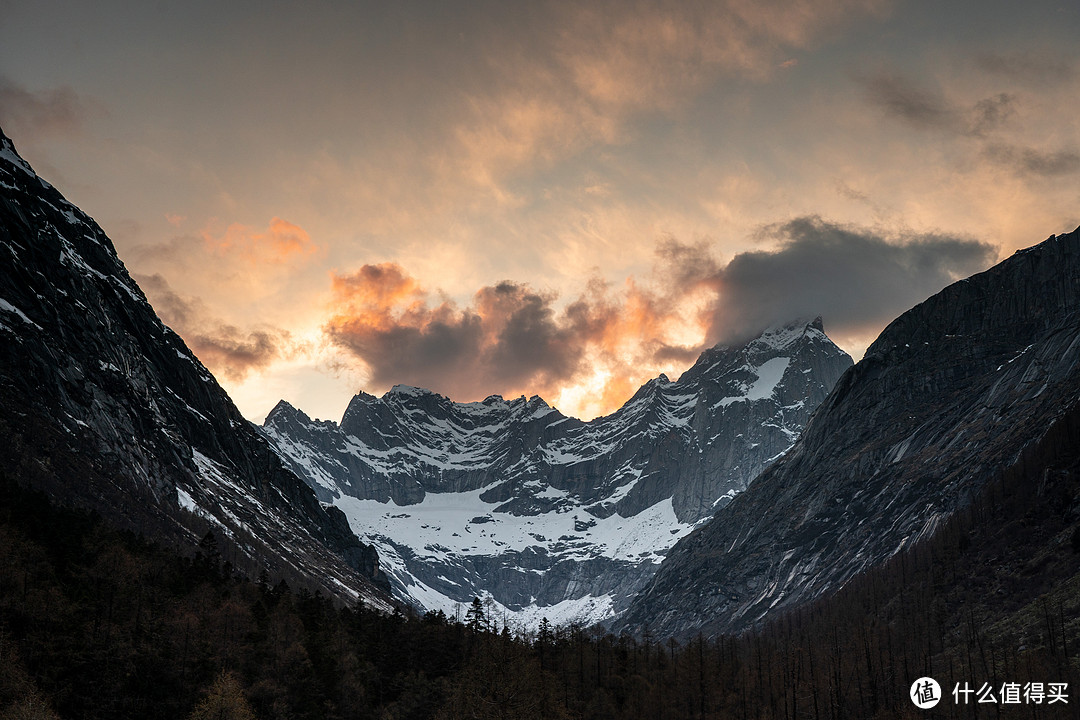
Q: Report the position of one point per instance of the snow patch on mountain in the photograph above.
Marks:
(7, 152)
(768, 376)
(445, 525)
(7, 307)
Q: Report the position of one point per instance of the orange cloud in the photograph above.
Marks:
(281, 242)
(375, 288)
(606, 61)
(226, 350)
(615, 391)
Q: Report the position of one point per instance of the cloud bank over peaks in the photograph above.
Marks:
(856, 278)
(595, 349)
(508, 337)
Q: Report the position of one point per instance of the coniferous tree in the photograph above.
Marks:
(224, 701)
(475, 619)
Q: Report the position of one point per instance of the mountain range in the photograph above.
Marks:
(547, 515)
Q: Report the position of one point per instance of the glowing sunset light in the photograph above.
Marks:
(281, 242)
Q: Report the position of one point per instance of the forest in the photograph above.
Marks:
(101, 623)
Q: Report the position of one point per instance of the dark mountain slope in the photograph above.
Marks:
(102, 406)
(951, 394)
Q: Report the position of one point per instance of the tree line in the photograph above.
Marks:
(97, 623)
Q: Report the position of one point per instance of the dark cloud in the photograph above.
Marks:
(26, 114)
(857, 279)
(509, 338)
(681, 356)
(225, 349)
(685, 266)
(925, 109)
(901, 98)
(1027, 67)
(991, 113)
(845, 190)
(527, 338)
(1030, 161)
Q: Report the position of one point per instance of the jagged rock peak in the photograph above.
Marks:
(776, 341)
(362, 404)
(284, 409)
(784, 335)
(409, 391)
(8, 152)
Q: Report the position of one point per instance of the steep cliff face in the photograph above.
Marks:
(547, 514)
(952, 393)
(103, 406)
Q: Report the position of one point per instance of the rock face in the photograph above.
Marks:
(952, 393)
(103, 406)
(547, 514)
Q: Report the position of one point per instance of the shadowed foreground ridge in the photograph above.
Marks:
(104, 407)
(954, 393)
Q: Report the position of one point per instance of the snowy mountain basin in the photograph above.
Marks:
(462, 534)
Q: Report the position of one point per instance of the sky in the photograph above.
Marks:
(553, 198)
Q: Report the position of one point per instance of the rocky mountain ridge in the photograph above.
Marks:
(952, 394)
(104, 407)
